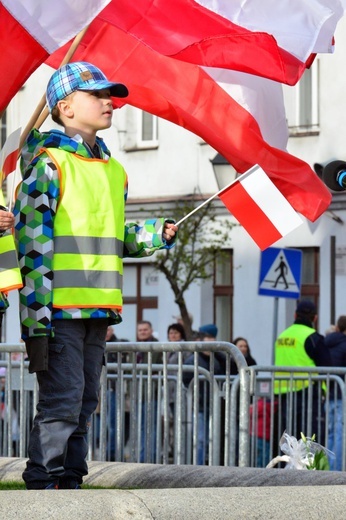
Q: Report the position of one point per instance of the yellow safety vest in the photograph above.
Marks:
(10, 277)
(88, 232)
(290, 352)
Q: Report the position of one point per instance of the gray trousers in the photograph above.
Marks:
(68, 395)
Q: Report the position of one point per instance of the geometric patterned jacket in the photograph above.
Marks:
(35, 208)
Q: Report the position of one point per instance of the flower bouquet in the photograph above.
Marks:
(304, 453)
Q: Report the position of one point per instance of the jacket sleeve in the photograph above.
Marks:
(34, 212)
(144, 240)
(316, 348)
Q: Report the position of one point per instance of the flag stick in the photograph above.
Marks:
(10, 198)
(41, 112)
(200, 206)
(213, 196)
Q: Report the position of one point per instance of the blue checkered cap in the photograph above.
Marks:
(79, 75)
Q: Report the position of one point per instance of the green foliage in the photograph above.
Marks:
(320, 461)
(11, 485)
(316, 454)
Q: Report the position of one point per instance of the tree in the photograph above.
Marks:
(201, 237)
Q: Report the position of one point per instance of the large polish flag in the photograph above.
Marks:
(186, 95)
(274, 39)
(301, 27)
(260, 207)
(31, 30)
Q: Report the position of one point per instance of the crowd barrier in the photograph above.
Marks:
(148, 413)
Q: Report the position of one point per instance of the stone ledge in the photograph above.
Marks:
(158, 492)
(126, 475)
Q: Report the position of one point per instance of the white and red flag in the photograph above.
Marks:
(31, 30)
(276, 40)
(185, 94)
(260, 207)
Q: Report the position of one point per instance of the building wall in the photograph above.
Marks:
(181, 165)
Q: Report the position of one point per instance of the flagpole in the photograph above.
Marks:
(41, 112)
(213, 196)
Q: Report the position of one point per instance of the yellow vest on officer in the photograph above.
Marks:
(88, 232)
(10, 277)
(290, 351)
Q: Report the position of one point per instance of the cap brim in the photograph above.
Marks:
(116, 89)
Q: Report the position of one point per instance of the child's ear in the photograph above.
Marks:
(65, 108)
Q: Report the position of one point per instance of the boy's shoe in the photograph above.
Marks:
(69, 484)
(52, 486)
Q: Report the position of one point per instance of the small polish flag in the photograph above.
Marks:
(9, 154)
(260, 207)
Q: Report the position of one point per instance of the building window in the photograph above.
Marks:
(223, 294)
(310, 286)
(147, 130)
(302, 103)
(140, 300)
(140, 130)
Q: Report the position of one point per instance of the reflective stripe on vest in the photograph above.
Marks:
(88, 232)
(290, 352)
(10, 277)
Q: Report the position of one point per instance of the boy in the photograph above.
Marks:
(71, 240)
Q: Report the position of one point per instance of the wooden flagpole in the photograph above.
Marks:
(41, 112)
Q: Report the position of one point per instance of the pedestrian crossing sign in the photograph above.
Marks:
(280, 273)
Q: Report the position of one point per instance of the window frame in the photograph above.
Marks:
(294, 99)
(147, 143)
(221, 290)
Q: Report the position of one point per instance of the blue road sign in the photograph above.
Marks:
(280, 273)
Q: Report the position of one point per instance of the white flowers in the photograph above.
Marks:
(304, 453)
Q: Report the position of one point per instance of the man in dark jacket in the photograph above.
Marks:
(336, 344)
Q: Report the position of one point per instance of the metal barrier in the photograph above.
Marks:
(147, 413)
(165, 430)
(310, 410)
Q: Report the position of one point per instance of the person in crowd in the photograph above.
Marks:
(243, 346)
(336, 344)
(175, 333)
(300, 345)
(145, 334)
(145, 331)
(193, 335)
(112, 357)
(331, 328)
(69, 223)
(261, 416)
(208, 334)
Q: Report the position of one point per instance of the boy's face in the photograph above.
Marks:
(88, 110)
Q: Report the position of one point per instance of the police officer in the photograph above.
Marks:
(300, 345)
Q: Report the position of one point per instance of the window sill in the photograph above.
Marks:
(299, 131)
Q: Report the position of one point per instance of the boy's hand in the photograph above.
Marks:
(6, 220)
(169, 231)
